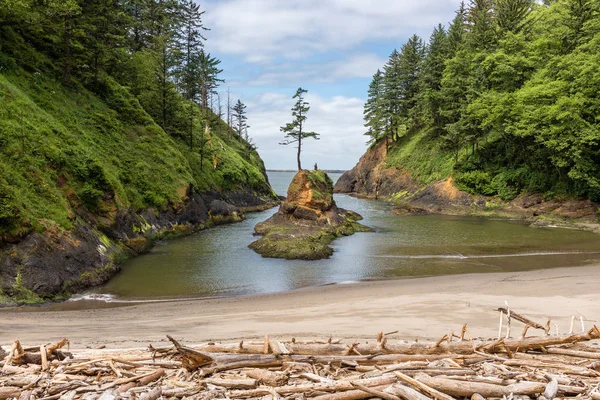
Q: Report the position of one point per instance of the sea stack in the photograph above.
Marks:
(307, 221)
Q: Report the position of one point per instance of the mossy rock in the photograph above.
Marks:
(307, 222)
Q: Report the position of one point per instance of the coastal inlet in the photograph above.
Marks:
(218, 262)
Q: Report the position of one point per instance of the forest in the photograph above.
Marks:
(504, 99)
(111, 105)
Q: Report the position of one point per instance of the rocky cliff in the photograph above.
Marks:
(372, 177)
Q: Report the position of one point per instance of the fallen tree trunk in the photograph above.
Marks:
(336, 386)
(525, 320)
(9, 392)
(468, 389)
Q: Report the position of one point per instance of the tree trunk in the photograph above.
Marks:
(299, 150)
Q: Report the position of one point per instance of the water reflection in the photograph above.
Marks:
(217, 262)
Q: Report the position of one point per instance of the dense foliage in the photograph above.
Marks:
(107, 105)
(505, 100)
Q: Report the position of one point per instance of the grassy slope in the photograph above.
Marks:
(422, 156)
(62, 149)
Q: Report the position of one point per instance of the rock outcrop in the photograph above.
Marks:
(307, 221)
(373, 178)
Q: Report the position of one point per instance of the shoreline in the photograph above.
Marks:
(544, 220)
(424, 308)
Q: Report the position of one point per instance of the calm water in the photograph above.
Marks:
(217, 262)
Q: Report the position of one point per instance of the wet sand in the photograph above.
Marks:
(421, 307)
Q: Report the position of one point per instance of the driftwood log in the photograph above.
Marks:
(555, 366)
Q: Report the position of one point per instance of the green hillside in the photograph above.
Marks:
(63, 149)
(104, 149)
(504, 99)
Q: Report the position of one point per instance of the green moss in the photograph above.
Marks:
(281, 241)
(20, 294)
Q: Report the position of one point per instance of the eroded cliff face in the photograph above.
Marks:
(306, 222)
(373, 178)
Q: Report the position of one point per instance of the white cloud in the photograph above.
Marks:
(320, 44)
(355, 66)
(337, 119)
(262, 30)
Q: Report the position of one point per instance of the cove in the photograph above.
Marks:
(217, 262)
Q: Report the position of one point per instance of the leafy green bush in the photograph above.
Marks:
(476, 182)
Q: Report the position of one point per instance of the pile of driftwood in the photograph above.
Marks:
(454, 367)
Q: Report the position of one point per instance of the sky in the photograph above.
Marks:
(332, 48)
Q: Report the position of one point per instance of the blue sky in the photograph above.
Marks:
(332, 48)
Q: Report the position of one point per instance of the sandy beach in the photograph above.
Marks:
(423, 308)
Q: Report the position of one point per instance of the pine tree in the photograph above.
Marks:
(401, 86)
(511, 14)
(480, 24)
(374, 109)
(391, 100)
(240, 118)
(434, 64)
(191, 43)
(208, 75)
(457, 29)
(294, 131)
(579, 13)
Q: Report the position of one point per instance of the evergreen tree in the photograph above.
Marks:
(374, 109)
(294, 131)
(511, 14)
(401, 86)
(434, 64)
(191, 44)
(240, 118)
(457, 29)
(208, 75)
(480, 24)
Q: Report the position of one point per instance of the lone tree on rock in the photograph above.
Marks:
(293, 130)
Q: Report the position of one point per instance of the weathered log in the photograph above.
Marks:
(320, 349)
(375, 392)
(268, 378)
(44, 357)
(159, 373)
(574, 353)
(406, 392)
(26, 395)
(571, 369)
(423, 387)
(192, 358)
(468, 389)
(337, 386)
(152, 395)
(349, 395)
(8, 392)
(122, 381)
(521, 318)
(278, 348)
(233, 383)
(538, 343)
